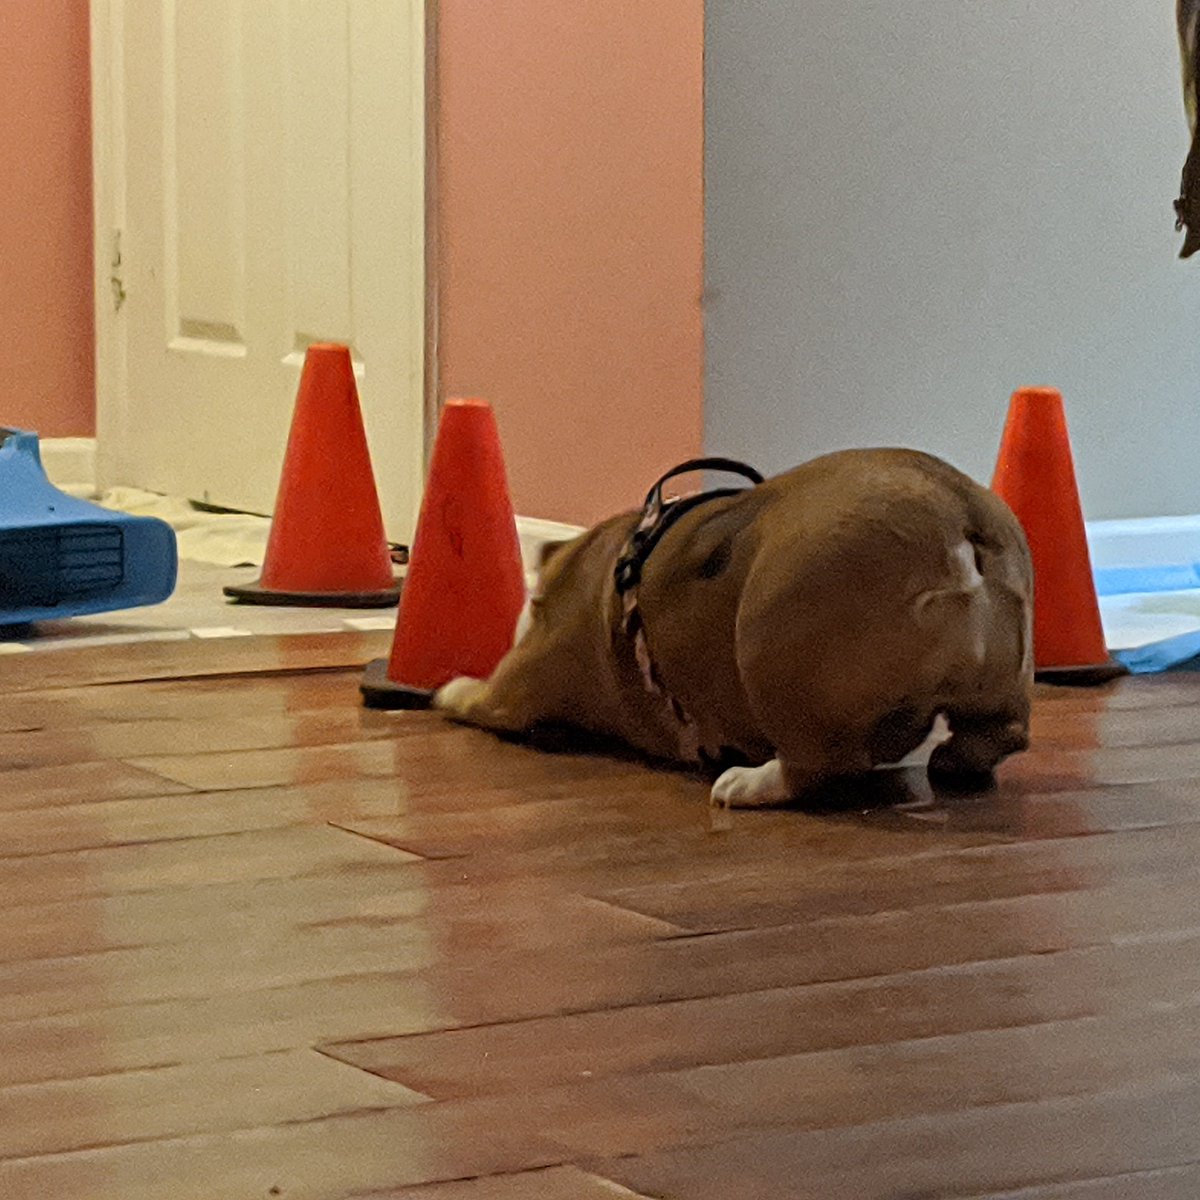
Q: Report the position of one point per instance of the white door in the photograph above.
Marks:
(259, 186)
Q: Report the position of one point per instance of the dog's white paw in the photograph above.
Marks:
(752, 787)
(456, 694)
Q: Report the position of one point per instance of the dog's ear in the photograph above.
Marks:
(549, 550)
(549, 560)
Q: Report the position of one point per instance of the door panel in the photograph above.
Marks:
(265, 172)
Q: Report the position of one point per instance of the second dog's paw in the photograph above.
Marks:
(456, 695)
(752, 787)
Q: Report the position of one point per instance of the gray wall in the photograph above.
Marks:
(914, 206)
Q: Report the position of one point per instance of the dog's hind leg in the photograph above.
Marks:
(978, 744)
(805, 761)
(752, 787)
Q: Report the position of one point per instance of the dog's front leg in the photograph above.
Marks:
(475, 702)
(523, 693)
(460, 697)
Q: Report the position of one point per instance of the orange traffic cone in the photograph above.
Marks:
(327, 545)
(1035, 475)
(465, 587)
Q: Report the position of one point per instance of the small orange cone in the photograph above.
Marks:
(327, 547)
(1035, 476)
(465, 586)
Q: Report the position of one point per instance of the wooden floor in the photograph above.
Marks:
(260, 942)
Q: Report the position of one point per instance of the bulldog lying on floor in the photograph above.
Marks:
(812, 626)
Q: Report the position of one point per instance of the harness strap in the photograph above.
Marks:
(657, 517)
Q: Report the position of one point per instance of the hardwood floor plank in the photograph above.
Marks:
(785, 1021)
(172, 1102)
(1138, 691)
(653, 819)
(870, 1085)
(188, 862)
(856, 1086)
(78, 726)
(46, 787)
(1114, 728)
(260, 954)
(885, 1165)
(331, 1159)
(778, 893)
(1170, 1183)
(1102, 765)
(554, 1183)
(636, 808)
(212, 772)
(172, 737)
(71, 828)
(518, 918)
(196, 701)
(185, 660)
(441, 757)
(1050, 1144)
(478, 972)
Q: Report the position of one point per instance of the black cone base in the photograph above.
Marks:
(378, 691)
(255, 593)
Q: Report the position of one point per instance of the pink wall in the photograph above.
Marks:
(47, 379)
(570, 214)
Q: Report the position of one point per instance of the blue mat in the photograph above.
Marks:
(1180, 653)
(1126, 581)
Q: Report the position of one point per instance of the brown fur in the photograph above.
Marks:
(824, 618)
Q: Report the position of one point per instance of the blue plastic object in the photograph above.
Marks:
(1179, 653)
(62, 557)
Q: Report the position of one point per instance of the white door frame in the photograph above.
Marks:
(433, 388)
(109, 216)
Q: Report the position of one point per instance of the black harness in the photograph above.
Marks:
(658, 515)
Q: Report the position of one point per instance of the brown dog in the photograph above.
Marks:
(814, 626)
